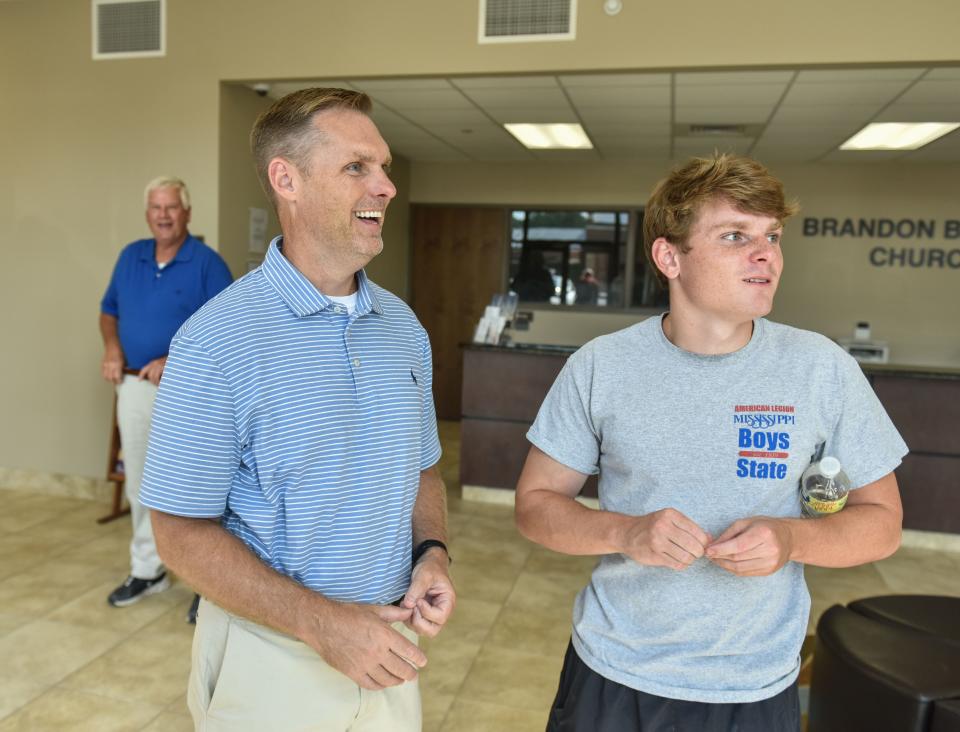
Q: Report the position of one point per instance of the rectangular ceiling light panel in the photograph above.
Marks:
(550, 136)
(898, 135)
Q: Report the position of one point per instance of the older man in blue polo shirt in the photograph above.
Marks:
(156, 285)
(292, 463)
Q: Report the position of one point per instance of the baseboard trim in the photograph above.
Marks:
(56, 484)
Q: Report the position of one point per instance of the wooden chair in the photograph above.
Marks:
(115, 473)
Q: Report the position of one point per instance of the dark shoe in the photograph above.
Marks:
(192, 612)
(135, 589)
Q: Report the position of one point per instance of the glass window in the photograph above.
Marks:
(581, 258)
(569, 257)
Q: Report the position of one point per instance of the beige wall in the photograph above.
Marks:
(391, 269)
(828, 284)
(238, 186)
(78, 139)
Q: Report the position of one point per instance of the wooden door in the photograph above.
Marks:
(457, 265)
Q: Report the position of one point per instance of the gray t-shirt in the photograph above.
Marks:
(718, 438)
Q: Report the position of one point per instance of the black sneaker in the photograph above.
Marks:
(192, 612)
(135, 589)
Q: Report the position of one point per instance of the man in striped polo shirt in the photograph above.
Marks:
(292, 462)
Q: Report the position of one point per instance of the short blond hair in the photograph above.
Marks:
(677, 199)
(166, 181)
(285, 129)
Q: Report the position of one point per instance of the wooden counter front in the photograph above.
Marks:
(926, 410)
(502, 392)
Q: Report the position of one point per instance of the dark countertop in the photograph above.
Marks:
(917, 372)
(872, 369)
(537, 349)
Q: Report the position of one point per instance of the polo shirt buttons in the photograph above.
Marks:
(356, 363)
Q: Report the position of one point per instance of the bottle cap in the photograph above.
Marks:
(830, 466)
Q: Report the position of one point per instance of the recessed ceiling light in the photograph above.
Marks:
(898, 135)
(550, 136)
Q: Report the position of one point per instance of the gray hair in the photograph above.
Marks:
(166, 181)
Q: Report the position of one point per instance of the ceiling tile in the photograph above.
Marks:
(655, 150)
(866, 75)
(724, 78)
(544, 115)
(629, 153)
(920, 113)
(630, 128)
(730, 94)
(282, 88)
(505, 82)
(628, 115)
(620, 96)
(401, 101)
(686, 146)
(383, 116)
(949, 72)
(466, 142)
(827, 138)
(928, 155)
(845, 93)
(485, 129)
(862, 156)
(635, 144)
(501, 155)
(594, 80)
(945, 91)
(389, 85)
(793, 154)
(428, 117)
(565, 154)
(715, 115)
(828, 114)
(625, 115)
(530, 97)
(431, 152)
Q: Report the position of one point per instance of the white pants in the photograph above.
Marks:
(248, 678)
(134, 407)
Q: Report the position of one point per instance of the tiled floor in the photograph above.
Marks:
(70, 662)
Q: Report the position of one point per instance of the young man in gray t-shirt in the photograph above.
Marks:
(700, 424)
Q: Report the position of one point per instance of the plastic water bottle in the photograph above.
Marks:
(824, 488)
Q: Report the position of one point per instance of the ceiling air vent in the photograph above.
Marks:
(129, 29)
(519, 21)
(720, 130)
(715, 130)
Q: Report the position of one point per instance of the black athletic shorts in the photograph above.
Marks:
(588, 702)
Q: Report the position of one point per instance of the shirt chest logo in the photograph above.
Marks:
(763, 439)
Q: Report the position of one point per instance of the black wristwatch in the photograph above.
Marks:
(422, 547)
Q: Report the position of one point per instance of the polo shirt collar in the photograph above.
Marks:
(299, 294)
(148, 252)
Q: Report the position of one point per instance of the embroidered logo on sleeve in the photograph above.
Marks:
(763, 439)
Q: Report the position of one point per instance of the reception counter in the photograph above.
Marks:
(504, 386)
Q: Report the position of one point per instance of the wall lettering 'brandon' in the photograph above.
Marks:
(880, 228)
(886, 255)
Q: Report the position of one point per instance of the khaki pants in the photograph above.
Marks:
(248, 678)
(134, 407)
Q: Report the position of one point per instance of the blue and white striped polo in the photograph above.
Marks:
(304, 427)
